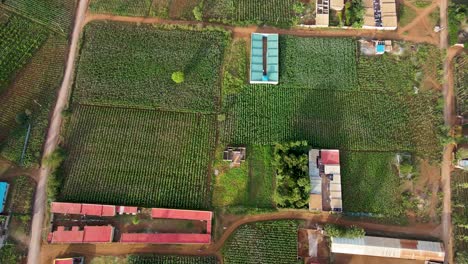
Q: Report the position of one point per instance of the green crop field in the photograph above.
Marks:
(320, 63)
(121, 7)
(273, 242)
(34, 89)
(370, 184)
(460, 213)
(108, 74)
(352, 120)
(162, 259)
(461, 84)
(139, 157)
(19, 39)
(57, 14)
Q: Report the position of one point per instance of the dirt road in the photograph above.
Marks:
(49, 252)
(53, 137)
(246, 31)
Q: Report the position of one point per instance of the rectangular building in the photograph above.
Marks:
(389, 247)
(3, 195)
(264, 61)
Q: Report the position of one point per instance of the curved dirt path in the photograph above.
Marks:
(53, 137)
(50, 251)
(246, 31)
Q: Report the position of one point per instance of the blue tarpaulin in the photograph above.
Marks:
(3, 195)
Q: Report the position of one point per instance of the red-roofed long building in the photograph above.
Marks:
(90, 234)
(65, 208)
(181, 214)
(166, 238)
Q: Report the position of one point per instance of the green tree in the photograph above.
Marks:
(8, 255)
(198, 12)
(178, 77)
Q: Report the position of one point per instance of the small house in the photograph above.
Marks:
(264, 61)
(235, 155)
(75, 260)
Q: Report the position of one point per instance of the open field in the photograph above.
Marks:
(19, 39)
(138, 157)
(34, 90)
(57, 14)
(460, 213)
(263, 242)
(161, 259)
(370, 184)
(110, 75)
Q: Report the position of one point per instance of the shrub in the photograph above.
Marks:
(346, 232)
(178, 77)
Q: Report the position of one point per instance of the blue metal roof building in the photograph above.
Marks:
(264, 66)
(3, 195)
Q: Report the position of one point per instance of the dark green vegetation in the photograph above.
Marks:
(19, 39)
(164, 259)
(32, 59)
(235, 68)
(291, 162)
(318, 63)
(333, 230)
(121, 7)
(138, 157)
(55, 14)
(251, 185)
(460, 214)
(461, 84)
(457, 15)
(370, 184)
(9, 254)
(110, 75)
(273, 242)
(349, 120)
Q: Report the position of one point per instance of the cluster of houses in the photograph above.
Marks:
(105, 234)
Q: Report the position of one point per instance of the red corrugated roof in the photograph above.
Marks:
(166, 238)
(98, 234)
(330, 157)
(127, 209)
(64, 261)
(62, 236)
(65, 208)
(181, 214)
(108, 210)
(91, 209)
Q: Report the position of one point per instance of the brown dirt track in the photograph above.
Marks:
(49, 251)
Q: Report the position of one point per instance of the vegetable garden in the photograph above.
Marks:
(121, 7)
(57, 14)
(164, 259)
(460, 214)
(461, 84)
(263, 242)
(139, 157)
(19, 39)
(110, 75)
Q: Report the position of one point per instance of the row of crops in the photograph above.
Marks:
(121, 7)
(461, 84)
(19, 39)
(56, 14)
(350, 120)
(164, 259)
(460, 214)
(370, 184)
(321, 63)
(138, 157)
(270, 11)
(110, 75)
(273, 242)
